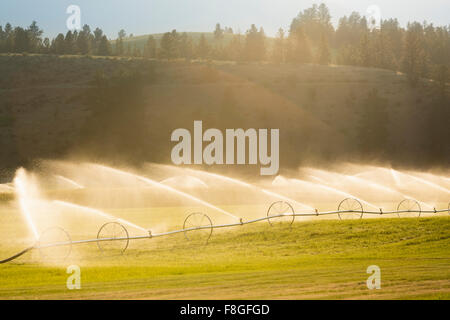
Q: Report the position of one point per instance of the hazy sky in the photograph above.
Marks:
(155, 16)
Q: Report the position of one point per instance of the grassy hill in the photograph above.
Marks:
(141, 40)
(48, 108)
(313, 260)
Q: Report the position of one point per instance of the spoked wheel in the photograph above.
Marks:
(280, 212)
(198, 227)
(55, 244)
(410, 208)
(350, 209)
(113, 238)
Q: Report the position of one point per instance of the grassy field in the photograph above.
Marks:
(311, 260)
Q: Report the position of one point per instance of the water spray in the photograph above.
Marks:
(168, 188)
(345, 194)
(21, 188)
(247, 185)
(70, 181)
(431, 184)
(98, 212)
(114, 234)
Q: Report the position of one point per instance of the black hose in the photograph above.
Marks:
(16, 255)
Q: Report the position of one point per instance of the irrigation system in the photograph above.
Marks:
(114, 237)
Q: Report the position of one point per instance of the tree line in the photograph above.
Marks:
(29, 40)
(421, 50)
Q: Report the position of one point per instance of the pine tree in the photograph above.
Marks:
(84, 40)
(391, 35)
(365, 51)
(34, 33)
(104, 47)
(324, 51)
(218, 33)
(255, 49)
(348, 55)
(69, 43)
(170, 45)
(299, 49)
(315, 22)
(186, 48)
(21, 40)
(119, 47)
(150, 48)
(278, 52)
(9, 38)
(120, 51)
(58, 44)
(234, 50)
(98, 36)
(203, 49)
(414, 58)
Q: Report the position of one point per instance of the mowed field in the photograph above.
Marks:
(324, 259)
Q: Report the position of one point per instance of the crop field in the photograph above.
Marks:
(176, 233)
(308, 260)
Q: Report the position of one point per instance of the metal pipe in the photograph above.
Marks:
(150, 236)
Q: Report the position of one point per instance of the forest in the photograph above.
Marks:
(352, 92)
(419, 49)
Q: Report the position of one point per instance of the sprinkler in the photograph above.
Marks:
(113, 237)
(198, 226)
(280, 212)
(410, 207)
(352, 207)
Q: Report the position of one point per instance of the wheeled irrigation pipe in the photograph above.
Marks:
(414, 207)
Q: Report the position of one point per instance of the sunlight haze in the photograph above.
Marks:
(157, 16)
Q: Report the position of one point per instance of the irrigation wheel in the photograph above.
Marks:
(55, 244)
(282, 213)
(198, 227)
(114, 238)
(350, 209)
(410, 206)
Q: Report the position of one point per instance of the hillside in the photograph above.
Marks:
(47, 109)
(141, 40)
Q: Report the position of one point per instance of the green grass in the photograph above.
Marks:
(318, 259)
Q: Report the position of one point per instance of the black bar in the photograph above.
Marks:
(224, 309)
